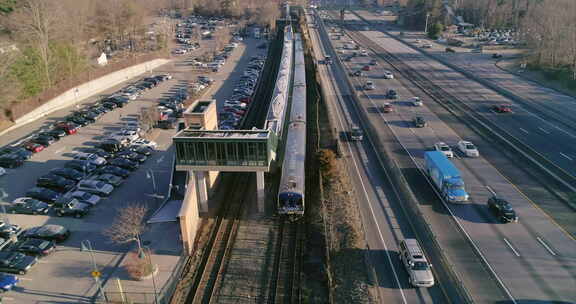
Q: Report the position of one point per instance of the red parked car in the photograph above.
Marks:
(246, 99)
(503, 108)
(67, 127)
(366, 68)
(33, 147)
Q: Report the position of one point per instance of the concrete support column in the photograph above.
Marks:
(260, 199)
(202, 190)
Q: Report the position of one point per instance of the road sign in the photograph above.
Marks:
(96, 274)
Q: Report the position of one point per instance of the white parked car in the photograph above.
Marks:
(84, 197)
(363, 53)
(415, 101)
(369, 85)
(144, 142)
(91, 158)
(468, 148)
(2, 171)
(388, 75)
(95, 187)
(129, 135)
(444, 148)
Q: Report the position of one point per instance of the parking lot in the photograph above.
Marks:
(64, 276)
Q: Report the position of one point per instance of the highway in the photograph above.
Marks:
(534, 259)
(383, 219)
(542, 120)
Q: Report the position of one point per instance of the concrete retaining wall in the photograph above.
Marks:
(86, 90)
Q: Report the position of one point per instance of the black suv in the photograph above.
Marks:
(55, 182)
(10, 161)
(419, 122)
(71, 207)
(502, 209)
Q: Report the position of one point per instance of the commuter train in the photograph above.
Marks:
(292, 183)
(276, 111)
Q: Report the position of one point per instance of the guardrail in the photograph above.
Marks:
(502, 136)
(458, 291)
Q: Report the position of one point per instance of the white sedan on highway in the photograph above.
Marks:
(468, 148)
(444, 148)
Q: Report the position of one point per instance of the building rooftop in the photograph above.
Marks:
(224, 134)
(198, 107)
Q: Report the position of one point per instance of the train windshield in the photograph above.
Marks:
(290, 199)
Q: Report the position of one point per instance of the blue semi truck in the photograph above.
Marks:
(445, 176)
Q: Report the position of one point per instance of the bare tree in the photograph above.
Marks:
(128, 225)
(35, 21)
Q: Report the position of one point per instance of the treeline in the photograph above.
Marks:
(51, 41)
(547, 27)
(54, 40)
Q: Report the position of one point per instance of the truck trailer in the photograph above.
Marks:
(445, 176)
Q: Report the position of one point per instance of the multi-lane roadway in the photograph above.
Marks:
(531, 260)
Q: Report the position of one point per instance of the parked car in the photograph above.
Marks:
(84, 197)
(415, 101)
(73, 208)
(55, 182)
(131, 156)
(7, 282)
(33, 247)
(7, 231)
(15, 262)
(108, 178)
(419, 122)
(124, 164)
(91, 158)
(502, 209)
(80, 165)
(144, 150)
(33, 147)
(55, 133)
(22, 153)
(366, 68)
(49, 232)
(450, 50)
(468, 148)
(44, 140)
(11, 161)
(95, 187)
(67, 127)
(98, 151)
(388, 75)
(68, 173)
(444, 148)
(114, 171)
(43, 194)
(28, 205)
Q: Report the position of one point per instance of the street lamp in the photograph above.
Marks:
(142, 255)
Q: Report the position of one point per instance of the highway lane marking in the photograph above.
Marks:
(543, 130)
(546, 246)
(460, 225)
(568, 157)
(524, 131)
(342, 125)
(511, 247)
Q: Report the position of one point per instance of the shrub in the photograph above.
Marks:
(435, 30)
(138, 267)
(327, 160)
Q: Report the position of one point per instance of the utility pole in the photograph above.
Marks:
(426, 26)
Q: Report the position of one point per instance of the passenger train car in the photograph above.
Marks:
(292, 184)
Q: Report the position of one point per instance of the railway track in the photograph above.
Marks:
(285, 279)
(204, 280)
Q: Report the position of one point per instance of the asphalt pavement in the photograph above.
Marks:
(69, 266)
(533, 258)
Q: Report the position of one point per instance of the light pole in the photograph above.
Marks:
(143, 255)
(426, 26)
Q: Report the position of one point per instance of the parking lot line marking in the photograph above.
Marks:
(546, 246)
(568, 157)
(24, 279)
(59, 150)
(8, 298)
(544, 131)
(523, 130)
(511, 247)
